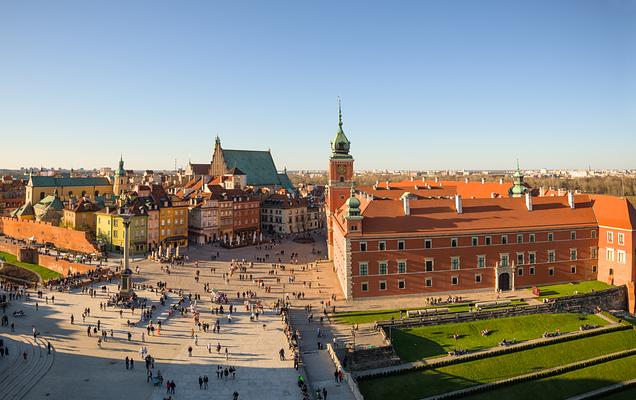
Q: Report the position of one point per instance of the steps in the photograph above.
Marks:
(18, 376)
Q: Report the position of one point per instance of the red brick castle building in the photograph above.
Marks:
(421, 237)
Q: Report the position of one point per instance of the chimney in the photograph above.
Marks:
(542, 191)
(571, 199)
(406, 204)
(387, 185)
(465, 180)
(501, 181)
(493, 195)
(412, 179)
(483, 180)
(458, 204)
(528, 202)
(436, 179)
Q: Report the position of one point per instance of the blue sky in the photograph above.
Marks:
(424, 84)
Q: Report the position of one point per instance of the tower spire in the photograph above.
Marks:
(339, 113)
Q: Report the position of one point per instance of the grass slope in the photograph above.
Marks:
(44, 273)
(371, 316)
(568, 289)
(419, 384)
(571, 383)
(423, 342)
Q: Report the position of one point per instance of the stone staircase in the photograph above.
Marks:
(19, 376)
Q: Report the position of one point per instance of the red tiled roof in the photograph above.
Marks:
(615, 212)
(439, 215)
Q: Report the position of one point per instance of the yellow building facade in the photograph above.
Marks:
(110, 231)
(39, 187)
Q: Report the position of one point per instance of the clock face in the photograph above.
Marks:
(342, 169)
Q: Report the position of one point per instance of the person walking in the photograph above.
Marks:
(127, 363)
(200, 382)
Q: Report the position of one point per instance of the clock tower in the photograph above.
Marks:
(339, 176)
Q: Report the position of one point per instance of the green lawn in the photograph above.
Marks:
(371, 316)
(568, 289)
(44, 273)
(413, 344)
(571, 383)
(419, 384)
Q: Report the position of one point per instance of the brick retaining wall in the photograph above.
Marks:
(44, 232)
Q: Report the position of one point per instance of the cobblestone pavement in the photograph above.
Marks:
(84, 370)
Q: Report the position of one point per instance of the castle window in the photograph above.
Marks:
(428, 282)
(382, 245)
(504, 239)
(454, 263)
(531, 270)
(532, 238)
(475, 240)
(573, 235)
(519, 238)
(364, 286)
(477, 278)
(488, 240)
(401, 284)
(481, 261)
(364, 269)
(428, 244)
(454, 280)
(428, 264)
(621, 238)
(454, 242)
(382, 285)
(550, 236)
(551, 271)
(342, 179)
(363, 246)
(382, 268)
(401, 245)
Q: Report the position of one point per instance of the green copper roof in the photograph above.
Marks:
(257, 165)
(340, 144)
(49, 181)
(518, 188)
(25, 209)
(120, 171)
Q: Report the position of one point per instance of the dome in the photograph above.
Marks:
(352, 202)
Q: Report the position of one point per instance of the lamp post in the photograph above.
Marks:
(125, 288)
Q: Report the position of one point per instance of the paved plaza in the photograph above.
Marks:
(83, 369)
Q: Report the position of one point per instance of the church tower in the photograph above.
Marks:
(119, 184)
(339, 176)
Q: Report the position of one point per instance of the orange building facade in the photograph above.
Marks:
(430, 238)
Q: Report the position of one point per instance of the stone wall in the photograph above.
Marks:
(62, 266)
(44, 232)
(375, 357)
(58, 265)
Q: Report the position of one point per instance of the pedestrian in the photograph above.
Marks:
(127, 363)
(190, 351)
(227, 354)
(200, 382)
(72, 319)
(132, 363)
(205, 381)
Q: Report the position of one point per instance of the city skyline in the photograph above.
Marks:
(424, 86)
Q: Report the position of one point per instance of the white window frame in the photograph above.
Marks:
(621, 238)
(386, 267)
(403, 282)
(481, 257)
(398, 266)
(380, 286)
(432, 260)
(364, 265)
(426, 282)
(456, 279)
(478, 278)
(620, 256)
(609, 254)
(362, 286)
(453, 259)
(610, 237)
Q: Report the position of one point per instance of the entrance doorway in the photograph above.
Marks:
(504, 281)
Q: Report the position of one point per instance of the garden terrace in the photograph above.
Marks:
(429, 382)
(413, 344)
(572, 289)
(571, 383)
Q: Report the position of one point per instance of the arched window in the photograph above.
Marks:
(342, 179)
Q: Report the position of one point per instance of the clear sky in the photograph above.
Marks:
(424, 84)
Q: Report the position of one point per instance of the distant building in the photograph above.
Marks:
(12, 194)
(38, 187)
(80, 215)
